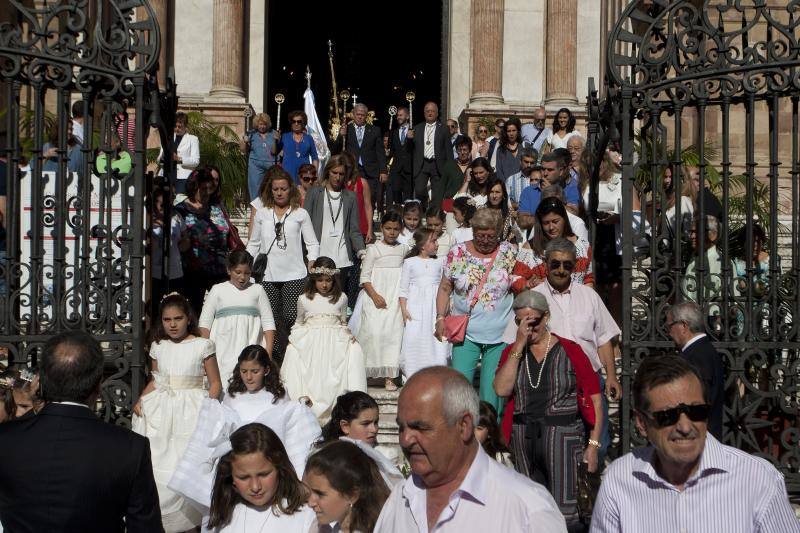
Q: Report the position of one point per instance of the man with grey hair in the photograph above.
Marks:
(578, 313)
(536, 133)
(432, 150)
(454, 485)
(686, 327)
(365, 142)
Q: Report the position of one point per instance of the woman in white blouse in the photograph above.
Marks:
(563, 130)
(279, 230)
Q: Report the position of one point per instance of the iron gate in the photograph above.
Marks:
(714, 86)
(75, 217)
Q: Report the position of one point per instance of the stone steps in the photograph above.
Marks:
(387, 424)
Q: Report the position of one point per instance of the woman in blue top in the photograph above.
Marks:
(262, 148)
(298, 147)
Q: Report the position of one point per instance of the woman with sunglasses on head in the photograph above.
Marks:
(480, 144)
(551, 221)
(278, 231)
(551, 390)
(298, 147)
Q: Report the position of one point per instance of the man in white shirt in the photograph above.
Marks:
(686, 480)
(454, 485)
(536, 134)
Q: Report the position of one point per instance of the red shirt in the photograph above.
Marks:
(358, 188)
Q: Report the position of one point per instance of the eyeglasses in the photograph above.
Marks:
(280, 238)
(567, 265)
(307, 178)
(297, 121)
(484, 238)
(670, 417)
(483, 131)
(670, 324)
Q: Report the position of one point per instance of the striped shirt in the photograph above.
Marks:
(731, 491)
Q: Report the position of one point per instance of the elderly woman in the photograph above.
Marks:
(207, 227)
(298, 147)
(477, 277)
(261, 147)
(551, 387)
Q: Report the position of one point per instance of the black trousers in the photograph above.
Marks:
(401, 185)
(428, 174)
(283, 297)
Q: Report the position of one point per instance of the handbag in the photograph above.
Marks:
(455, 326)
(234, 241)
(260, 264)
(588, 486)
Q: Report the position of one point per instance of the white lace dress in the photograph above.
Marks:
(322, 360)
(169, 416)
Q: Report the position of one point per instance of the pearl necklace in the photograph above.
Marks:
(541, 368)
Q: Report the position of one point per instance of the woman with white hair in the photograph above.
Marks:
(261, 147)
(551, 387)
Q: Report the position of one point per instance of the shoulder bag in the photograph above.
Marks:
(455, 326)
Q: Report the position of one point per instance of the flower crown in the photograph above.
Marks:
(173, 293)
(324, 271)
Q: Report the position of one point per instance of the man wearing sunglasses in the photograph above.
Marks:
(685, 326)
(534, 134)
(686, 480)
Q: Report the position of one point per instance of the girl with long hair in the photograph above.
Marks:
(169, 406)
(419, 283)
(323, 359)
(412, 216)
(345, 488)
(463, 211)
(487, 432)
(256, 487)
(255, 394)
(563, 130)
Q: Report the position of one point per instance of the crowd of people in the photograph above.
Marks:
(461, 272)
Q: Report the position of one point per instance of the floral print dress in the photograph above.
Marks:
(492, 312)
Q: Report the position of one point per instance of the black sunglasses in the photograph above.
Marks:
(669, 417)
(307, 178)
(297, 121)
(278, 229)
(532, 323)
(556, 264)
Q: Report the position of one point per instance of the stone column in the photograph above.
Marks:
(161, 10)
(562, 49)
(486, 28)
(226, 74)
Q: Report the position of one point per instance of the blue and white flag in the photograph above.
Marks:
(316, 130)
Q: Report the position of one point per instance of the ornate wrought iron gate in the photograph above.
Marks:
(713, 85)
(75, 216)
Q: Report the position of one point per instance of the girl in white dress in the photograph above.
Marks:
(322, 359)
(168, 409)
(436, 219)
(354, 418)
(412, 216)
(463, 211)
(345, 488)
(255, 394)
(380, 332)
(236, 314)
(256, 488)
(419, 284)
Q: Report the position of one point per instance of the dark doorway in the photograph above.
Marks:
(381, 51)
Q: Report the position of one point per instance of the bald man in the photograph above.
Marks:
(454, 485)
(432, 150)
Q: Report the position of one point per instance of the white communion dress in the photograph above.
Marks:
(247, 519)
(236, 318)
(169, 416)
(380, 331)
(419, 284)
(323, 360)
(293, 423)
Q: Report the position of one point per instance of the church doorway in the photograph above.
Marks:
(381, 51)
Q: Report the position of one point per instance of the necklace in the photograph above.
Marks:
(541, 368)
(263, 524)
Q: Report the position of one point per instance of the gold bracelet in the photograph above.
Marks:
(594, 443)
(515, 355)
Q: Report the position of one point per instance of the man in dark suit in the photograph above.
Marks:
(686, 328)
(401, 150)
(365, 142)
(65, 470)
(432, 150)
(455, 135)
